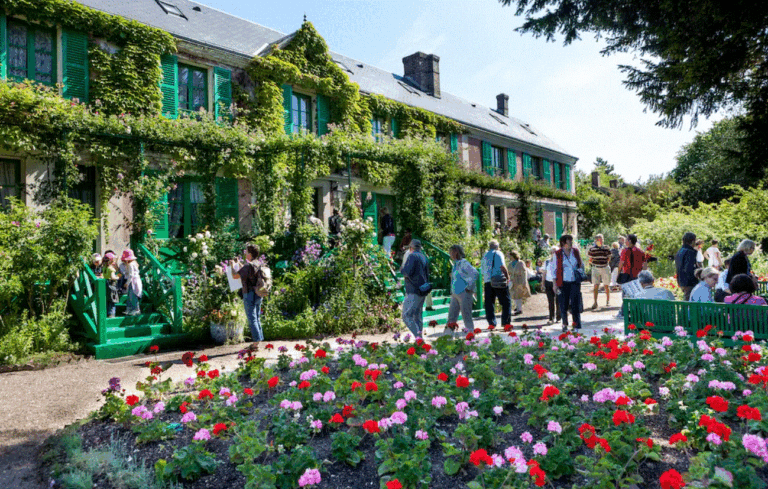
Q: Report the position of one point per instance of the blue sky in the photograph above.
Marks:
(570, 93)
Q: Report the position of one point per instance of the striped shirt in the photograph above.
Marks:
(600, 255)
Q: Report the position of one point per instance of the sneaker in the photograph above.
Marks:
(517, 313)
(564, 328)
(594, 306)
(607, 303)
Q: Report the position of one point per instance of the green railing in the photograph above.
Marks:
(161, 288)
(441, 266)
(693, 316)
(89, 301)
(762, 289)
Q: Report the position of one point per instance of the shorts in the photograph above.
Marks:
(601, 275)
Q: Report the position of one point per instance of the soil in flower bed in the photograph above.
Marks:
(504, 381)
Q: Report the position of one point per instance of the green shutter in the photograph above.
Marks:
(547, 172)
(394, 128)
(557, 175)
(323, 114)
(454, 142)
(511, 164)
(558, 224)
(74, 47)
(227, 199)
(527, 166)
(160, 210)
(222, 93)
(487, 158)
(287, 115)
(568, 178)
(476, 216)
(169, 85)
(3, 47)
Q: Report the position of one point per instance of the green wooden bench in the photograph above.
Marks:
(693, 316)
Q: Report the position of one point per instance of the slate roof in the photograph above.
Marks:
(221, 30)
(208, 26)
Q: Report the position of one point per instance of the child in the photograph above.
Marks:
(111, 275)
(132, 283)
(96, 266)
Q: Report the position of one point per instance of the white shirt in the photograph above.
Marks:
(699, 256)
(721, 281)
(714, 256)
(551, 267)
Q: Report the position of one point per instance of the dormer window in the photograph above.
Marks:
(301, 111)
(171, 9)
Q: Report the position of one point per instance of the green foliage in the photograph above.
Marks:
(189, 463)
(481, 180)
(344, 448)
(289, 467)
(22, 335)
(153, 431)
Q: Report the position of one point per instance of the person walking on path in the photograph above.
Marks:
(519, 289)
(705, 289)
(495, 279)
(387, 231)
(463, 285)
(740, 260)
(553, 300)
(567, 284)
(415, 272)
(334, 227)
(685, 265)
(713, 256)
(132, 283)
(599, 256)
(614, 262)
(250, 273)
(699, 253)
(646, 279)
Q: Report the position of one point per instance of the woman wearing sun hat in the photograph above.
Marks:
(132, 283)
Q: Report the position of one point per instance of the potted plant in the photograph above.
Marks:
(227, 323)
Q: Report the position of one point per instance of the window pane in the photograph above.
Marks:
(17, 50)
(198, 79)
(9, 186)
(198, 99)
(44, 56)
(183, 87)
(295, 104)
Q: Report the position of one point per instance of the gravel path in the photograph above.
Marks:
(35, 404)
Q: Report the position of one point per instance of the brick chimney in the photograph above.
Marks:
(502, 104)
(595, 179)
(424, 71)
(614, 183)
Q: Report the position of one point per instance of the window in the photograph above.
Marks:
(537, 169)
(184, 202)
(171, 9)
(301, 110)
(85, 189)
(377, 128)
(497, 215)
(563, 177)
(10, 180)
(497, 163)
(31, 53)
(193, 88)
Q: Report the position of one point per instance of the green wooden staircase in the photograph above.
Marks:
(440, 275)
(159, 324)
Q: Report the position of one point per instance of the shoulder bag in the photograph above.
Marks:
(623, 278)
(497, 281)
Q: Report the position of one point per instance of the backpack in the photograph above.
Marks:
(263, 281)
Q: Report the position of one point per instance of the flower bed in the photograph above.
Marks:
(482, 411)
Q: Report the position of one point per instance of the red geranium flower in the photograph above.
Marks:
(336, 418)
(373, 374)
(347, 411)
(443, 377)
(304, 384)
(154, 348)
(618, 375)
(746, 348)
(426, 347)
(411, 351)
(549, 392)
(491, 327)
(650, 402)
(623, 417)
(371, 426)
(649, 324)
(604, 443)
(218, 428)
(507, 327)
(355, 385)
(269, 346)
(470, 336)
(394, 484)
(131, 400)
(462, 381)
(671, 479)
(747, 337)
(754, 357)
(623, 401)
(273, 382)
(701, 333)
(202, 358)
(188, 358)
(371, 386)
(201, 373)
(632, 326)
(714, 426)
(747, 412)
(320, 354)
(480, 456)
(677, 437)
(248, 391)
(669, 367)
(717, 403)
(539, 476)
(213, 373)
(540, 370)
(205, 394)
(183, 408)
(647, 441)
(325, 369)
(419, 341)
(478, 330)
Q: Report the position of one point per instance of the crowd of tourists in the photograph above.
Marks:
(122, 278)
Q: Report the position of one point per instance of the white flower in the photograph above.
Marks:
(234, 314)
(207, 234)
(194, 256)
(185, 249)
(192, 240)
(199, 236)
(205, 252)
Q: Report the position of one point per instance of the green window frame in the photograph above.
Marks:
(301, 113)
(497, 161)
(10, 180)
(193, 88)
(30, 52)
(184, 205)
(377, 127)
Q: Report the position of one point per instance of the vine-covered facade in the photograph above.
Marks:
(169, 116)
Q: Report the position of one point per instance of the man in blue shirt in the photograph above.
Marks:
(415, 272)
(493, 265)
